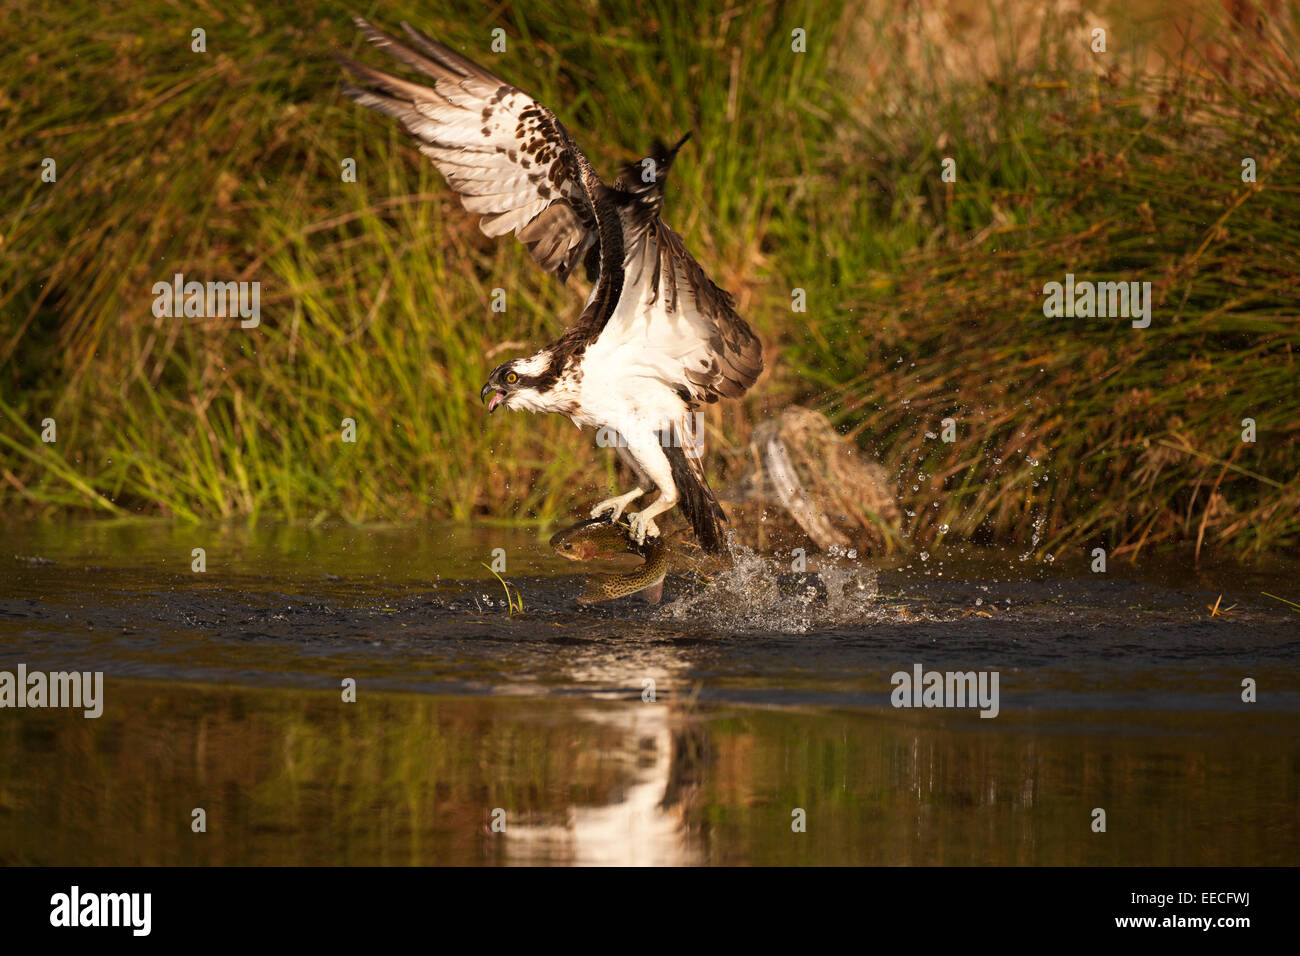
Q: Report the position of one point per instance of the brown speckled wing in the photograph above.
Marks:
(508, 157)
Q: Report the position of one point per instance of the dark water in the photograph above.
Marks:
(771, 696)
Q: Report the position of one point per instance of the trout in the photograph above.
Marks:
(602, 538)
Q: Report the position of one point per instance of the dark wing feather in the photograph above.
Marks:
(507, 156)
(687, 326)
(514, 163)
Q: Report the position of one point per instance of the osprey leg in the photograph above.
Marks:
(616, 504)
(619, 503)
(652, 462)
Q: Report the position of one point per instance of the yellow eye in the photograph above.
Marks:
(511, 377)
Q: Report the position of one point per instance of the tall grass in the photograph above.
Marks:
(816, 171)
(375, 294)
(1075, 433)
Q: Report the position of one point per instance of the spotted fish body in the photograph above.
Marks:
(601, 538)
(647, 580)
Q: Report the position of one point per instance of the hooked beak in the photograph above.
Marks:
(496, 398)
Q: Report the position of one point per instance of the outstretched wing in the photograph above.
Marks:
(513, 162)
(507, 156)
(686, 328)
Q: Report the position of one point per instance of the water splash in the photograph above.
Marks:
(763, 593)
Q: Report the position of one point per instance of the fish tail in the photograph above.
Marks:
(653, 594)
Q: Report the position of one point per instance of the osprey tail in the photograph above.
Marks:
(695, 498)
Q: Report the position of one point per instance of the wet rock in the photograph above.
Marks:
(806, 486)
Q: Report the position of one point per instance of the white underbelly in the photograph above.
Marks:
(612, 394)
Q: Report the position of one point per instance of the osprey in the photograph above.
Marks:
(656, 338)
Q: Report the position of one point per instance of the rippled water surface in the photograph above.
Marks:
(771, 703)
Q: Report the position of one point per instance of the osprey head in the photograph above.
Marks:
(512, 384)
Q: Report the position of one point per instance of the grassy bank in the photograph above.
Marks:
(375, 294)
(817, 171)
(1069, 433)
